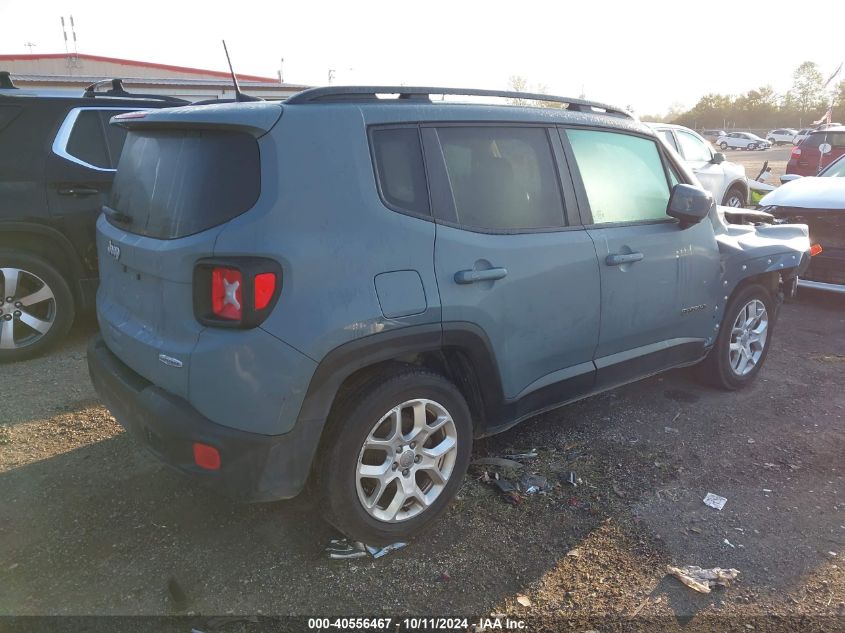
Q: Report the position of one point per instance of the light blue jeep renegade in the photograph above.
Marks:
(347, 287)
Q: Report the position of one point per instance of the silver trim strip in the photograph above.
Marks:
(819, 285)
(63, 135)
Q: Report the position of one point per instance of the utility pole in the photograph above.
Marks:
(282, 71)
(331, 75)
(29, 45)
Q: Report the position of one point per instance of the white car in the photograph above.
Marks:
(781, 136)
(725, 180)
(742, 140)
(801, 135)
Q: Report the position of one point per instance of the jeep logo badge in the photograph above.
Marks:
(114, 250)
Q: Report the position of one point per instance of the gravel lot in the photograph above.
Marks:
(90, 524)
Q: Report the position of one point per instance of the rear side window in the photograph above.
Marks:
(400, 168)
(502, 178)
(834, 139)
(623, 175)
(175, 183)
(87, 141)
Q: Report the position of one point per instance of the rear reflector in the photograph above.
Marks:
(264, 286)
(226, 299)
(815, 249)
(206, 456)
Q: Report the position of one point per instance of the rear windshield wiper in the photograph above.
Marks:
(117, 216)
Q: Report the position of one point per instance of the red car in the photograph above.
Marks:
(817, 151)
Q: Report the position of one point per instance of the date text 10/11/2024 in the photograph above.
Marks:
(492, 623)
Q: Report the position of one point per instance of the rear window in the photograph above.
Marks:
(171, 184)
(834, 139)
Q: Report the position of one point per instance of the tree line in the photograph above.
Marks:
(806, 101)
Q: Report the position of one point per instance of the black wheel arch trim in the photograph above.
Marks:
(345, 360)
(63, 243)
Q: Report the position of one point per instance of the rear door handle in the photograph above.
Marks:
(78, 191)
(471, 276)
(628, 258)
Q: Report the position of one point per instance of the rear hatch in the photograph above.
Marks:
(817, 151)
(182, 175)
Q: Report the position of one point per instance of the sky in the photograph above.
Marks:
(649, 54)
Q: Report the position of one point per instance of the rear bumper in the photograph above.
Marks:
(254, 467)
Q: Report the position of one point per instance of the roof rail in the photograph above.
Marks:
(357, 93)
(117, 90)
(6, 80)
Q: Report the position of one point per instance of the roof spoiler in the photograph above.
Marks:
(6, 82)
(117, 90)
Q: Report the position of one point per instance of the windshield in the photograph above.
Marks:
(835, 169)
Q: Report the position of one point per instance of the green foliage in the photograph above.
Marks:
(760, 108)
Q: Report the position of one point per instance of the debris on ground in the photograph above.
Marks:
(525, 601)
(569, 477)
(529, 453)
(532, 484)
(702, 580)
(715, 501)
(501, 462)
(344, 549)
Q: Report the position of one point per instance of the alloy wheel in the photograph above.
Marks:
(406, 460)
(748, 337)
(27, 308)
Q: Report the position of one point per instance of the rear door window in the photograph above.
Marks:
(87, 140)
(502, 178)
(174, 183)
(693, 148)
(623, 175)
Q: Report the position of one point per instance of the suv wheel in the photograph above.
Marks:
(743, 342)
(36, 306)
(397, 455)
(723, 145)
(735, 197)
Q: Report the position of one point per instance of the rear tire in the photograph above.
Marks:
(382, 477)
(723, 146)
(744, 339)
(36, 304)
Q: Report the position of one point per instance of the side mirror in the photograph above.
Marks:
(789, 178)
(718, 158)
(689, 204)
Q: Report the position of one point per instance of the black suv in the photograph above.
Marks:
(57, 160)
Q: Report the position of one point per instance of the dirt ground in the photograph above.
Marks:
(753, 161)
(90, 524)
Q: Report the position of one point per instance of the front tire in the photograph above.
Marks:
(744, 339)
(36, 305)
(398, 450)
(734, 197)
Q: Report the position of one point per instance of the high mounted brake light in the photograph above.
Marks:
(236, 292)
(130, 115)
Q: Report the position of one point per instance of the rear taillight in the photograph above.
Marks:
(226, 293)
(235, 292)
(796, 152)
(815, 249)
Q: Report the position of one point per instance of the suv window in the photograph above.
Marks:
(178, 182)
(400, 168)
(623, 174)
(87, 141)
(692, 147)
(835, 139)
(667, 136)
(502, 178)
